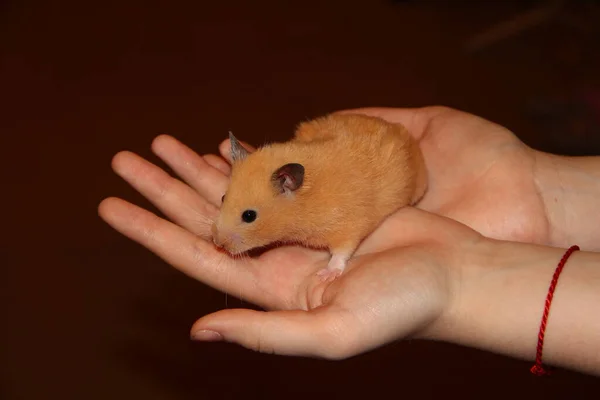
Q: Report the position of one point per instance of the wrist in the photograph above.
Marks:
(504, 288)
(569, 188)
(501, 298)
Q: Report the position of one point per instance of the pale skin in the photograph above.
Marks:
(470, 265)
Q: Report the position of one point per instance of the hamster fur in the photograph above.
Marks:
(329, 187)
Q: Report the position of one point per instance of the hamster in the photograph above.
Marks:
(329, 187)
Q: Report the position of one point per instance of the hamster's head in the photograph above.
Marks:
(259, 203)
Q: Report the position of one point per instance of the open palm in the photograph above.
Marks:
(401, 279)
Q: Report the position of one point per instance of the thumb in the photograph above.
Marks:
(297, 333)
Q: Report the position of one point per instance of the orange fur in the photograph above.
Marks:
(358, 170)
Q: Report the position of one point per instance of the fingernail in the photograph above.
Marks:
(207, 336)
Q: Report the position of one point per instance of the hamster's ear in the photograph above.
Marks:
(238, 152)
(288, 178)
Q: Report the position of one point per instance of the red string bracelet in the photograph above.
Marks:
(538, 369)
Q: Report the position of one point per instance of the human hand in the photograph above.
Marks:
(406, 274)
(469, 160)
(402, 280)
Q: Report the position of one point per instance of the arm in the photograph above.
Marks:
(499, 308)
(570, 190)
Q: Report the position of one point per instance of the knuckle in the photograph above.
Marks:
(149, 229)
(164, 186)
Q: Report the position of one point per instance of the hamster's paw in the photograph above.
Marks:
(336, 266)
(329, 274)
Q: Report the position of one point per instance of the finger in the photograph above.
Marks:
(218, 163)
(225, 149)
(415, 120)
(295, 333)
(192, 168)
(189, 254)
(175, 199)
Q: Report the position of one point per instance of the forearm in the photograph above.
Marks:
(570, 190)
(500, 307)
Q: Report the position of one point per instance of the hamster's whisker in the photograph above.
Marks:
(219, 269)
(245, 257)
(203, 219)
(202, 225)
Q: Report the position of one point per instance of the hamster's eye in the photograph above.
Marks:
(222, 199)
(249, 216)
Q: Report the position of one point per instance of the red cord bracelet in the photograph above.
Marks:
(538, 369)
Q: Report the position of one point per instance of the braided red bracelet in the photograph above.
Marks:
(538, 368)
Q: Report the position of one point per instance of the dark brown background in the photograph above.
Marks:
(88, 314)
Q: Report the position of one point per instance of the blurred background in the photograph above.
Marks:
(88, 314)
